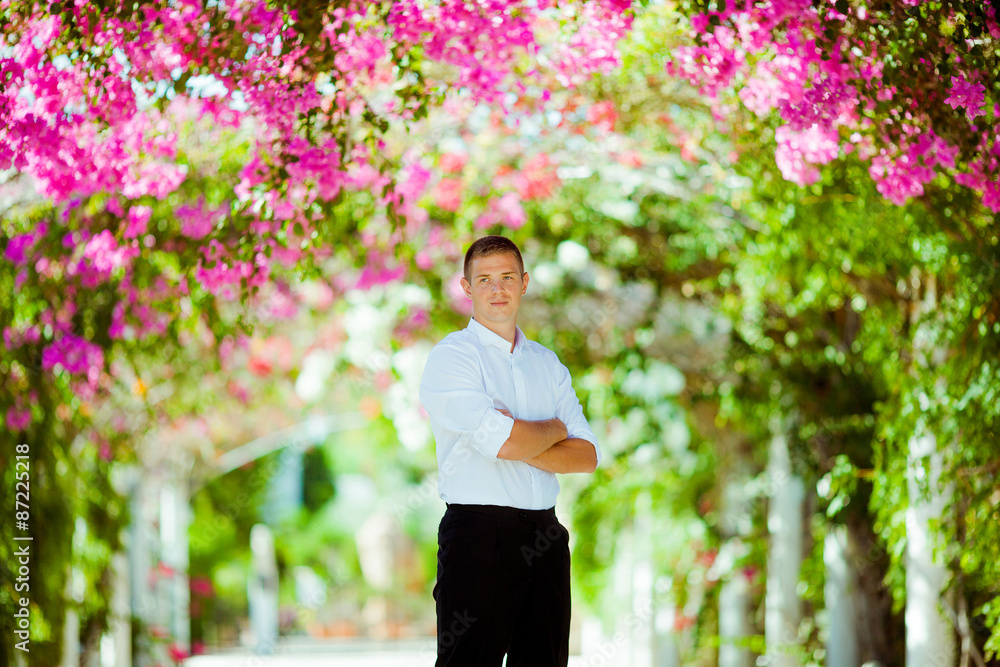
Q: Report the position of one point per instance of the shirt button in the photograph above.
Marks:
(522, 515)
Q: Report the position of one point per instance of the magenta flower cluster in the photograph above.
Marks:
(99, 136)
(765, 53)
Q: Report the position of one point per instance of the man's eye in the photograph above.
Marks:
(508, 277)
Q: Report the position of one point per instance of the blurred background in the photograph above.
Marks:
(791, 369)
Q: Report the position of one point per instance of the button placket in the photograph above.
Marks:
(520, 389)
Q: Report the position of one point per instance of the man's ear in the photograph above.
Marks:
(467, 287)
(524, 281)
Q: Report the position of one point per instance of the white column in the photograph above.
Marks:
(71, 626)
(930, 639)
(643, 636)
(140, 539)
(262, 589)
(175, 517)
(121, 613)
(734, 621)
(615, 648)
(667, 653)
(785, 525)
(736, 522)
(839, 592)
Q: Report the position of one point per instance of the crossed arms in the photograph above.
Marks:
(453, 392)
(545, 445)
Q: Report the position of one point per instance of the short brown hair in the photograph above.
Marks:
(491, 245)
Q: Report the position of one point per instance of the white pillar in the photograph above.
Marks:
(616, 647)
(121, 614)
(785, 525)
(667, 652)
(839, 592)
(175, 517)
(262, 590)
(930, 639)
(140, 540)
(736, 522)
(734, 621)
(643, 635)
(71, 626)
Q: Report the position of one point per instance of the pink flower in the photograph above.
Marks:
(177, 653)
(969, 95)
(19, 245)
(590, 45)
(603, 116)
(17, 248)
(538, 178)
(901, 174)
(479, 38)
(424, 260)
(104, 254)
(138, 221)
(76, 355)
(506, 211)
(453, 163)
(201, 586)
(991, 195)
(712, 67)
(456, 295)
(197, 221)
(379, 275)
(983, 180)
(18, 418)
(15, 338)
(448, 194)
(798, 150)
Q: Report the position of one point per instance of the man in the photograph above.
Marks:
(505, 420)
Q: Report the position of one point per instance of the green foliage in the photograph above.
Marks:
(712, 298)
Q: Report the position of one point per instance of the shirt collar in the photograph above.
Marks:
(487, 337)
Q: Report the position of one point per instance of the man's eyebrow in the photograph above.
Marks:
(505, 273)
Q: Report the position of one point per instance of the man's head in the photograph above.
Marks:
(495, 280)
(491, 245)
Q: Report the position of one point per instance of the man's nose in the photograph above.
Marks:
(496, 287)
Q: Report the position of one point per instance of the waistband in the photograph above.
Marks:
(506, 512)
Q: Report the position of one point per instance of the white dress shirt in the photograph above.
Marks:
(469, 375)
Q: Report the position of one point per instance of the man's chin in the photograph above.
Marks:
(495, 315)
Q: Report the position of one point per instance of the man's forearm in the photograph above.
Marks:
(570, 455)
(528, 439)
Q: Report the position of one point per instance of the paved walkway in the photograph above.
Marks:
(374, 659)
(338, 653)
(334, 654)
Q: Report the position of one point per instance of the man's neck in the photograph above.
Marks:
(508, 333)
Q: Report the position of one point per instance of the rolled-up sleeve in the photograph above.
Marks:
(452, 393)
(569, 410)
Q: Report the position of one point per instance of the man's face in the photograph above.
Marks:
(496, 288)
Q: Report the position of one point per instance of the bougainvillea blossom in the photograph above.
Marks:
(828, 92)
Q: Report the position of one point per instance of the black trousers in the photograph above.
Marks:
(502, 588)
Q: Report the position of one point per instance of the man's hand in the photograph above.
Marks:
(570, 455)
(528, 439)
